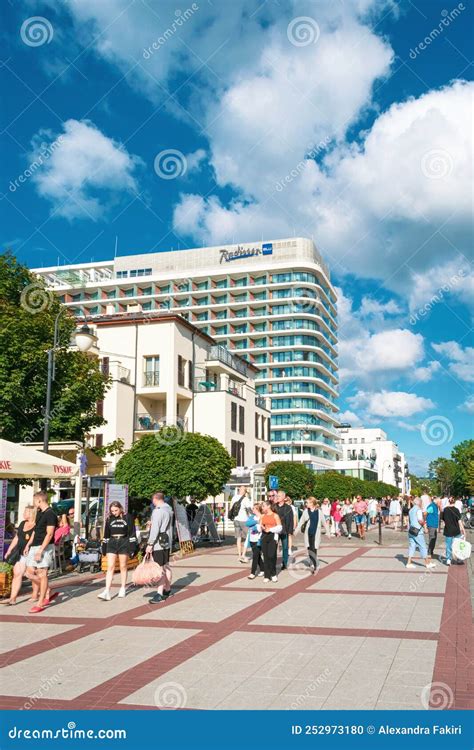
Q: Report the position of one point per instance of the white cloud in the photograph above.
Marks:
(461, 363)
(432, 286)
(408, 426)
(467, 405)
(84, 172)
(370, 306)
(424, 374)
(350, 417)
(390, 404)
(194, 160)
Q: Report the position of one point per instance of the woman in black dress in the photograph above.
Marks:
(17, 552)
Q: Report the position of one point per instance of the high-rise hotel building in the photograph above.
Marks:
(272, 302)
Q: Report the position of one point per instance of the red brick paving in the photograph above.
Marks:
(453, 657)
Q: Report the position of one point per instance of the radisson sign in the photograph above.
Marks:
(245, 252)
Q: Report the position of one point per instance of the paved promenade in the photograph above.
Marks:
(361, 633)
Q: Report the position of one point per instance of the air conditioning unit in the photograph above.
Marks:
(134, 308)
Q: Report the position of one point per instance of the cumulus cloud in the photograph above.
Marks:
(389, 404)
(424, 374)
(461, 359)
(468, 405)
(85, 171)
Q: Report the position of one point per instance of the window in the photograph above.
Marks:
(181, 368)
(242, 328)
(257, 455)
(260, 326)
(147, 305)
(99, 408)
(105, 366)
(99, 441)
(129, 293)
(202, 316)
(257, 425)
(241, 282)
(133, 274)
(112, 294)
(237, 452)
(242, 344)
(221, 314)
(190, 374)
(202, 285)
(362, 440)
(122, 274)
(241, 420)
(221, 284)
(241, 313)
(260, 295)
(151, 371)
(233, 417)
(146, 291)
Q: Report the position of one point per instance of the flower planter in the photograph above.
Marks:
(6, 576)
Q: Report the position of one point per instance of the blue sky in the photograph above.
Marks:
(346, 121)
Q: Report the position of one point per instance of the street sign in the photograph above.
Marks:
(272, 482)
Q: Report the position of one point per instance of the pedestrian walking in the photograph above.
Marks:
(310, 525)
(159, 545)
(239, 511)
(372, 510)
(432, 525)
(255, 537)
(119, 542)
(395, 512)
(285, 514)
(271, 528)
(326, 516)
(17, 554)
(41, 551)
(416, 537)
(289, 502)
(385, 508)
(425, 501)
(360, 509)
(347, 512)
(453, 529)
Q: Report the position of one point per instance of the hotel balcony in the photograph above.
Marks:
(146, 422)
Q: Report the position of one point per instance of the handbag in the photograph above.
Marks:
(303, 526)
(147, 572)
(413, 531)
(14, 557)
(461, 549)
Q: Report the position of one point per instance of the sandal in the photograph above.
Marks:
(35, 610)
(51, 598)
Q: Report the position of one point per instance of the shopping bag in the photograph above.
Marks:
(147, 572)
(461, 549)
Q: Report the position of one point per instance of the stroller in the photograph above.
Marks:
(90, 555)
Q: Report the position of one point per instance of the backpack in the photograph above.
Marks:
(235, 509)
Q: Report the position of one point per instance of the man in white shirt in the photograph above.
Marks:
(239, 515)
(458, 504)
(444, 502)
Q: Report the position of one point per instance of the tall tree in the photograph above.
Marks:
(293, 477)
(176, 463)
(27, 314)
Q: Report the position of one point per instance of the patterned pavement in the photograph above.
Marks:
(363, 633)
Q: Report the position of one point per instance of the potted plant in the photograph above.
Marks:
(6, 575)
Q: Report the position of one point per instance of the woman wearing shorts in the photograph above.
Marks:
(416, 537)
(395, 512)
(16, 554)
(119, 541)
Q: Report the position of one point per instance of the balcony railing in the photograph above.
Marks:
(149, 423)
(223, 355)
(151, 378)
(260, 401)
(208, 386)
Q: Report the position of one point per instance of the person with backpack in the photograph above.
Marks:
(239, 511)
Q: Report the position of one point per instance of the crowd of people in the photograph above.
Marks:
(260, 527)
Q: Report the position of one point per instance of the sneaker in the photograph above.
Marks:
(157, 599)
(167, 594)
(349, 536)
(105, 596)
(266, 580)
(251, 577)
(448, 562)
(121, 593)
(410, 566)
(431, 565)
(260, 574)
(283, 567)
(274, 579)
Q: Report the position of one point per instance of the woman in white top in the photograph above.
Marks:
(395, 511)
(326, 516)
(289, 502)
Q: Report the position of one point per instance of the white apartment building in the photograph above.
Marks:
(166, 373)
(368, 451)
(271, 302)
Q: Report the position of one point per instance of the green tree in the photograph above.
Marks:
(445, 471)
(463, 456)
(175, 463)
(293, 477)
(419, 485)
(27, 314)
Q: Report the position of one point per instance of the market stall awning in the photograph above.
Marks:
(21, 462)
